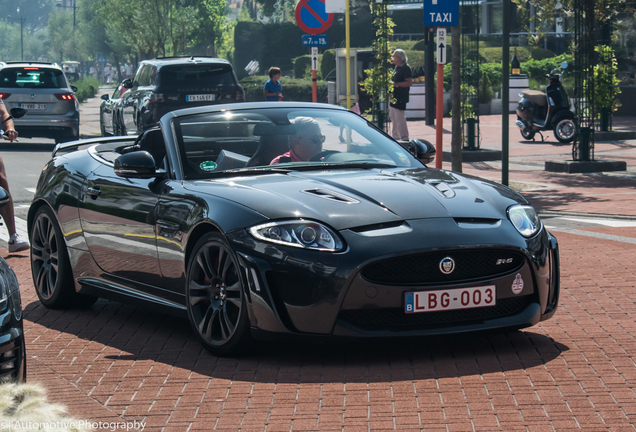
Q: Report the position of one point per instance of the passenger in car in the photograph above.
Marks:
(306, 144)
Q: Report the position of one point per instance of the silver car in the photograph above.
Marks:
(42, 89)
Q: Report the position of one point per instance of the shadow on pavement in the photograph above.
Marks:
(150, 336)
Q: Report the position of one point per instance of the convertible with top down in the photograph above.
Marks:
(362, 240)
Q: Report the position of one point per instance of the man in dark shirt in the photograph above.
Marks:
(402, 80)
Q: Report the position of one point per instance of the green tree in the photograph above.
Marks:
(378, 84)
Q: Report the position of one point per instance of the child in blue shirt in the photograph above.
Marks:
(272, 88)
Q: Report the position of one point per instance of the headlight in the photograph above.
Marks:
(525, 219)
(300, 234)
(9, 290)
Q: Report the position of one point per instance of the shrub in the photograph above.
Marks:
(537, 69)
(328, 64)
(298, 90)
(86, 88)
(492, 55)
(302, 67)
(485, 89)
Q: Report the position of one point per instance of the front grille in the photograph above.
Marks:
(424, 268)
(10, 360)
(396, 318)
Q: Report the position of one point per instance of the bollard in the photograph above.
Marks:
(584, 144)
(471, 133)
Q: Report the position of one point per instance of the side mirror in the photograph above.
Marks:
(564, 65)
(139, 164)
(127, 83)
(17, 112)
(74, 89)
(105, 97)
(421, 149)
(4, 196)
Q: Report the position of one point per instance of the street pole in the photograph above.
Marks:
(505, 94)
(348, 54)
(21, 35)
(439, 116)
(22, 38)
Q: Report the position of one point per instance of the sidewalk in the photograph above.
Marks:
(598, 193)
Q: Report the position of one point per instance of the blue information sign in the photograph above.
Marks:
(314, 40)
(441, 13)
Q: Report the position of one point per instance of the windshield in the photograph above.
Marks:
(258, 140)
(199, 77)
(32, 77)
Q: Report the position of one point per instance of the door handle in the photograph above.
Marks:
(94, 192)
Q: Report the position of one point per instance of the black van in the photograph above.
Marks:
(170, 83)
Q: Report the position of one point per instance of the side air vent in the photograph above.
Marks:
(333, 196)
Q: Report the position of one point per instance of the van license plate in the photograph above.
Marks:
(452, 299)
(31, 106)
(199, 98)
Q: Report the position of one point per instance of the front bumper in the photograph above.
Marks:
(12, 349)
(299, 292)
(48, 126)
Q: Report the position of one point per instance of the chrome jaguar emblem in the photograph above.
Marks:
(447, 265)
(32, 95)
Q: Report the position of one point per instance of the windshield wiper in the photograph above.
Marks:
(247, 171)
(362, 165)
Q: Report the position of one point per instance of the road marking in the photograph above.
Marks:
(614, 223)
(32, 190)
(595, 235)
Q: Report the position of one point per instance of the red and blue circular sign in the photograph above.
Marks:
(311, 16)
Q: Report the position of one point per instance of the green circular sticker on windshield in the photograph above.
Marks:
(208, 166)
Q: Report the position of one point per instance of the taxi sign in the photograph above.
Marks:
(441, 13)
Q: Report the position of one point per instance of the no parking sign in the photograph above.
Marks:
(311, 16)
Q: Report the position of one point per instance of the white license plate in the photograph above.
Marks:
(451, 299)
(30, 106)
(199, 98)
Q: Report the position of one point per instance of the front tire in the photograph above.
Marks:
(565, 130)
(215, 297)
(528, 136)
(50, 265)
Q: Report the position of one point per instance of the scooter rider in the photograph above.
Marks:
(16, 243)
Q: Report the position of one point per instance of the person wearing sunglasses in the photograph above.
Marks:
(306, 144)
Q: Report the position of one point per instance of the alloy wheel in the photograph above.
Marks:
(215, 295)
(565, 130)
(44, 256)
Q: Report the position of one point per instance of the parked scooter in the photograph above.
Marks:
(550, 110)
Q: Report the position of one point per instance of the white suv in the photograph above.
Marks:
(43, 90)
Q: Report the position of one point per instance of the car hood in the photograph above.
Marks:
(354, 198)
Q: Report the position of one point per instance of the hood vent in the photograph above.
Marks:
(333, 196)
(444, 189)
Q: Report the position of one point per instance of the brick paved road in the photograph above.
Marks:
(576, 371)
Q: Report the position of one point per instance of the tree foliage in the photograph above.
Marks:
(547, 12)
(606, 88)
(378, 84)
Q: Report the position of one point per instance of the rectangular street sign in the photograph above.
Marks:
(314, 58)
(441, 12)
(314, 40)
(441, 46)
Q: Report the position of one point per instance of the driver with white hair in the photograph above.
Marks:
(306, 144)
